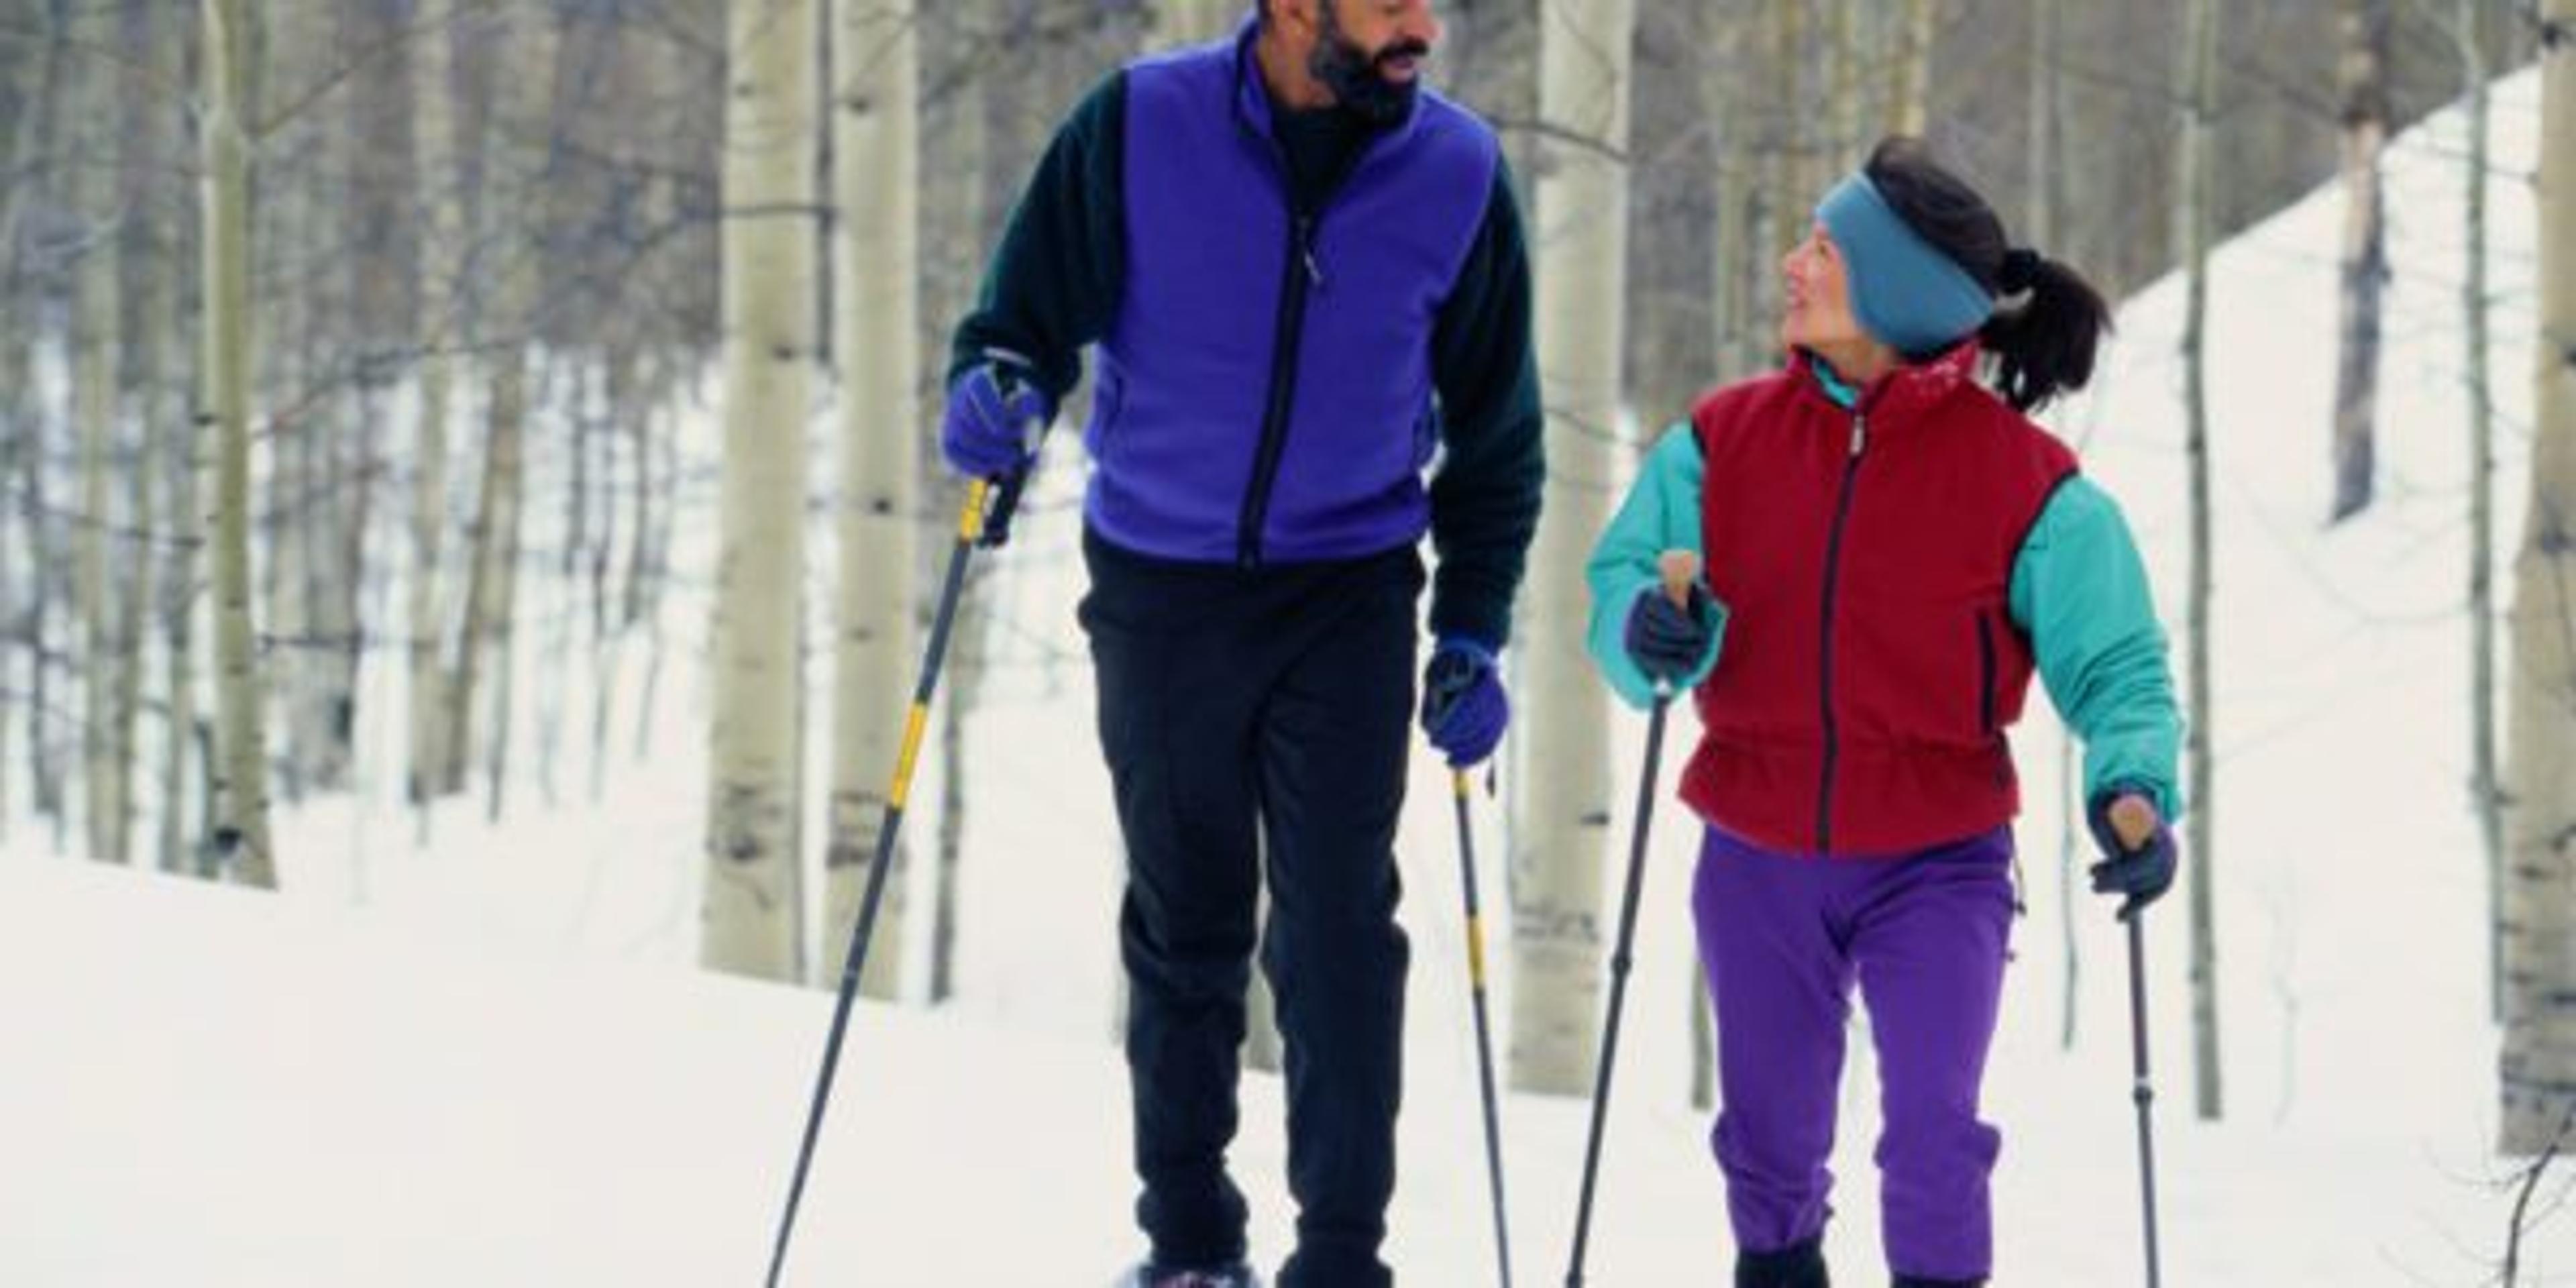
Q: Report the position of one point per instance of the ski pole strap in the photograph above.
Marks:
(1007, 488)
(996, 527)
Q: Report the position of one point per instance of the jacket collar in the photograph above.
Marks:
(1903, 394)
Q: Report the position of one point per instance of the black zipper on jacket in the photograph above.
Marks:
(1825, 672)
(1298, 275)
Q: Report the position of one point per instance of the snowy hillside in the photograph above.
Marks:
(490, 1062)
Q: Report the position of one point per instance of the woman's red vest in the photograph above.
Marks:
(1871, 664)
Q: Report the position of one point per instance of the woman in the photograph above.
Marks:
(1890, 549)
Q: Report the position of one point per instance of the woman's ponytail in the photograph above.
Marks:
(2048, 320)
(2044, 346)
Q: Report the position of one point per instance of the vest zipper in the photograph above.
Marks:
(1304, 271)
(1825, 671)
(1297, 276)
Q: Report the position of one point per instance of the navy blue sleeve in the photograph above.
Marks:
(1485, 498)
(1053, 283)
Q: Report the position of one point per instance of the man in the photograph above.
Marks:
(1306, 279)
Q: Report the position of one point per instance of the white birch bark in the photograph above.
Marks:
(2539, 1063)
(517, 202)
(95, 414)
(2485, 791)
(1911, 98)
(1557, 852)
(753, 907)
(442, 250)
(2362, 79)
(876, 123)
(165, 599)
(242, 837)
(1185, 22)
(2194, 215)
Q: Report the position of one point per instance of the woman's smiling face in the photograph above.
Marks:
(1815, 296)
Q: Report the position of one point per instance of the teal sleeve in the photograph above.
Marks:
(2079, 590)
(1661, 513)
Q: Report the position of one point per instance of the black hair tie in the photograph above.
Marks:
(2020, 271)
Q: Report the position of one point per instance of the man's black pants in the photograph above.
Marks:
(1277, 699)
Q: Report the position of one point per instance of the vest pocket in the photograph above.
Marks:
(1107, 401)
(1985, 674)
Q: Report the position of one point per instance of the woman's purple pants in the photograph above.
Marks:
(1784, 938)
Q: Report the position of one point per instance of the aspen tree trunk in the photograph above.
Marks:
(34, 130)
(2040, 229)
(344, 454)
(1736, 327)
(1781, 199)
(44, 764)
(165, 520)
(285, 337)
(1559, 847)
(2539, 1062)
(2362, 77)
(1845, 77)
(672, 357)
(1911, 98)
(240, 780)
(754, 904)
(876, 123)
(959, 198)
(141, 543)
(1186, 22)
(643, 572)
(491, 595)
(15, 423)
(654, 538)
(558, 607)
(17, 406)
(2198, 168)
(1799, 161)
(626, 411)
(440, 332)
(98, 88)
(2486, 794)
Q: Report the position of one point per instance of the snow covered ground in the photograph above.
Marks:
(489, 1061)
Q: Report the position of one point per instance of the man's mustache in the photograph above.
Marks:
(1399, 50)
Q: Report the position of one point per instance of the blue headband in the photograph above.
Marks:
(1906, 293)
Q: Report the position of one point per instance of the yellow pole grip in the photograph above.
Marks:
(913, 725)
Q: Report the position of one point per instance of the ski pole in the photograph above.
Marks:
(1484, 1028)
(984, 520)
(1679, 569)
(2135, 825)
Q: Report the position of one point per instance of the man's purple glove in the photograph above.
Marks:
(1464, 710)
(994, 411)
(2141, 866)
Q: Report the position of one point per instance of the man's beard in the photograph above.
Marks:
(1355, 76)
